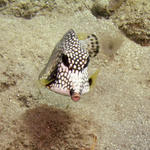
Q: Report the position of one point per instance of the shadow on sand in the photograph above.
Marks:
(50, 128)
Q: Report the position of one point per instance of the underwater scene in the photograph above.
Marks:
(74, 75)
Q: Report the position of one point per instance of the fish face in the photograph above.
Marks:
(67, 69)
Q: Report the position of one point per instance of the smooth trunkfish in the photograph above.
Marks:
(66, 72)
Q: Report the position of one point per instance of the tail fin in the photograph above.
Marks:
(90, 43)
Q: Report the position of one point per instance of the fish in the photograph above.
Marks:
(66, 72)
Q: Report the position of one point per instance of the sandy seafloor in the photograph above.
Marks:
(116, 110)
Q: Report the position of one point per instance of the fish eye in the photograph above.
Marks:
(65, 60)
(71, 92)
(88, 59)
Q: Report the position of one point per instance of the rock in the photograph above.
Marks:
(133, 19)
(105, 8)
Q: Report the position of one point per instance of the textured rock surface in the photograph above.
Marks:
(134, 20)
(30, 8)
(105, 8)
(116, 111)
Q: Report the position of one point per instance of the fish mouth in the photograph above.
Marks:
(75, 97)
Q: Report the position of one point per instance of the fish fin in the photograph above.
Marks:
(82, 36)
(92, 45)
(45, 81)
(93, 146)
(89, 42)
(92, 79)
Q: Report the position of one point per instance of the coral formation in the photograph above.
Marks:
(99, 9)
(131, 16)
(114, 5)
(105, 8)
(73, 6)
(3, 3)
(134, 20)
(28, 8)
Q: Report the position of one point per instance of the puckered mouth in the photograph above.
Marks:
(75, 97)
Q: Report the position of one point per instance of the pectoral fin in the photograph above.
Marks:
(45, 81)
(92, 79)
(82, 36)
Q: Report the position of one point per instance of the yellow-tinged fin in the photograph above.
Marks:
(45, 81)
(82, 36)
(92, 79)
(94, 142)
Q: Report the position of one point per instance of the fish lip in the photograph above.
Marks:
(75, 97)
